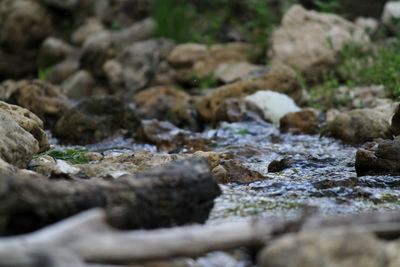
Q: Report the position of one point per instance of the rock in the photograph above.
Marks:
(345, 249)
(238, 109)
(359, 126)
(370, 25)
(395, 123)
(234, 171)
(280, 79)
(274, 105)
(168, 137)
(311, 42)
(79, 85)
(85, 31)
(43, 99)
(167, 104)
(61, 71)
(360, 97)
(23, 24)
(94, 119)
(62, 4)
(391, 15)
(6, 169)
(381, 158)
(105, 45)
(28, 121)
(113, 70)
(305, 121)
(232, 72)
(53, 51)
(140, 61)
(280, 165)
(197, 61)
(17, 145)
(17, 65)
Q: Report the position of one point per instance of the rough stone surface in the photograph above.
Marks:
(43, 99)
(345, 249)
(310, 41)
(79, 85)
(95, 119)
(280, 79)
(359, 126)
(21, 135)
(305, 121)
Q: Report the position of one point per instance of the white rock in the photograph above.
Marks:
(274, 105)
(391, 12)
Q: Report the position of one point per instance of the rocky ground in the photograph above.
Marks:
(97, 109)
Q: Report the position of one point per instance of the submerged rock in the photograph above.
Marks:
(311, 42)
(274, 105)
(95, 119)
(345, 249)
(21, 135)
(381, 158)
(305, 121)
(359, 126)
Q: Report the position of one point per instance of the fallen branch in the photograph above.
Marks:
(88, 237)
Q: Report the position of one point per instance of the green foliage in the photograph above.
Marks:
(332, 6)
(175, 20)
(74, 156)
(43, 73)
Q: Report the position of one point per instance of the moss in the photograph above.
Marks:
(74, 156)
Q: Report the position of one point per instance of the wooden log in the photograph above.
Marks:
(88, 237)
(178, 193)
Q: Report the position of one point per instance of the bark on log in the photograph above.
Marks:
(175, 194)
(89, 238)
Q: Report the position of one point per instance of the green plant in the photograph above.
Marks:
(43, 73)
(330, 6)
(174, 19)
(74, 156)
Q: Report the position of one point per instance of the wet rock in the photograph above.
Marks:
(53, 51)
(107, 45)
(359, 126)
(273, 104)
(310, 41)
(391, 15)
(305, 121)
(345, 248)
(28, 121)
(94, 119)
(85, 31)
(23, 24)
(79, 85)
(232, 72)
(17, 145)
(140, 61)
(279, 165)
(43, 99)
(234, 171)
(238, 109)
(167, 104)
(197, 61)
(167, 136)
(280, 79)
(381, 158)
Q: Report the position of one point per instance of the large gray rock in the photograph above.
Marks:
(344, 249)
(359, 126)
(310, 41)
(21, 135)
(391, 15)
